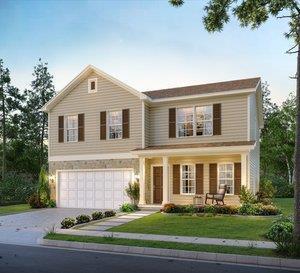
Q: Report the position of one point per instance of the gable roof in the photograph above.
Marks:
(83, 74)
(250, 83)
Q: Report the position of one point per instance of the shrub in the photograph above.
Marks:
(281, 233)
(35, 202)
(43, 186)
(97, 215)
(127, 207)
(16, 188)
(51, 204)
(249, 209)
(227, 209)
(247, 196)
(269, 210)
(133, 192)
(170, 208)
(199, 208)
(266, 192)
(83, 218)
(210, 209)
(67, 223)
(109, 213)
(187, 209)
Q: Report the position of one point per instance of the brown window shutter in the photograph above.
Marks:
(213, 177)
(217, 126)
(176, 179)
(172, 122)
(61, 129)
(237, 178)
(125, 125)
(80, 127)
(199, 178)
(103, 125)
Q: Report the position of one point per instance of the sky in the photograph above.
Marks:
(147, 44)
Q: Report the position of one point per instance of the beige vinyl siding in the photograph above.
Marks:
(234, 120)
(147, 124)
(109, 97)
(254, 167)
(253, 122)
(205, 160)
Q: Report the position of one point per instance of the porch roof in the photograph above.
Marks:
(197, 148)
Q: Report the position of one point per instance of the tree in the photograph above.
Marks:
(35, 121)
(253, 13)
(10, 99)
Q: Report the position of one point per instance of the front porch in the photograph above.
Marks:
(177, 176)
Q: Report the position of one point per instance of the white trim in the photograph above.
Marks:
(195, 151)
(92, 157)
(218, 184)
(215, 94)
(143, 124)
(248, 117)
(186, 164)
(89, 85)
(84, 73)
(152, 181)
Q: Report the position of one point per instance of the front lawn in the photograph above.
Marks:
(5, 210)
(167, 245)
(221, 226)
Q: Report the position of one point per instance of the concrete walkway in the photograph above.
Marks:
(114, 222)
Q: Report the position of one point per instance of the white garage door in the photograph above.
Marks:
(103, 189)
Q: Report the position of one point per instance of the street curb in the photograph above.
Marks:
(194, 255)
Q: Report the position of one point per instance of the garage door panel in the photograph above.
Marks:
(93, 189)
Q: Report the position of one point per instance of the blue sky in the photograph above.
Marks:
(147, 44)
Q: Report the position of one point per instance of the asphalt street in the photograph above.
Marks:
(32, 259)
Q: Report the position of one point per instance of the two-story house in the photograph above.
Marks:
(177, 142)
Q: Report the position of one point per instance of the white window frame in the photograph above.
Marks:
(205, 120)
(194, 121)
(67, 129)
(108, 125)
(226, 163)
(89, 85)
(181, 182)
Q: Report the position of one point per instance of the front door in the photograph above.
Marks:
(157, 184)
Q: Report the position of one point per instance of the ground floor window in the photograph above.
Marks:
(226, 176)
(188, 179)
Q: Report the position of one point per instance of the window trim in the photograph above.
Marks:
(107, 124)
(184, 164)
(194, 121)
(89, 85)
(218, 184)
(66, 128)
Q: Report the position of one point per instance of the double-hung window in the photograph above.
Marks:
(188, 179)
(194, 121)
(226, 176)
(72, 128)
(115, 124)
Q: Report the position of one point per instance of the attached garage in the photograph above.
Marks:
(96, 189)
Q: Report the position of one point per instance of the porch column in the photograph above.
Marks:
(244, 170)
(165, 180)
(142, 181)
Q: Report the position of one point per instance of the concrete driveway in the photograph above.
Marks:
(25, 228)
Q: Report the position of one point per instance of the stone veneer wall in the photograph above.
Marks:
(89, 164)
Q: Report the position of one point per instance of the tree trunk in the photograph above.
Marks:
(297, 155)
(3, 136)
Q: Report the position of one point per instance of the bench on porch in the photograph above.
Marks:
(218, 197)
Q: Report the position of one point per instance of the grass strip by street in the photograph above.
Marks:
(13, 209)
(165, 245)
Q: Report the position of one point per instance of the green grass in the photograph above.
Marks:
(285, 204)
(5, 210)
(166, 245)
(221, 226)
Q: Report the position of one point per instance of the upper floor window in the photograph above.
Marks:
(195, 121)
(92, 85)
(188, 179)
(115, 125)
(72, 128)
(226, 176)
